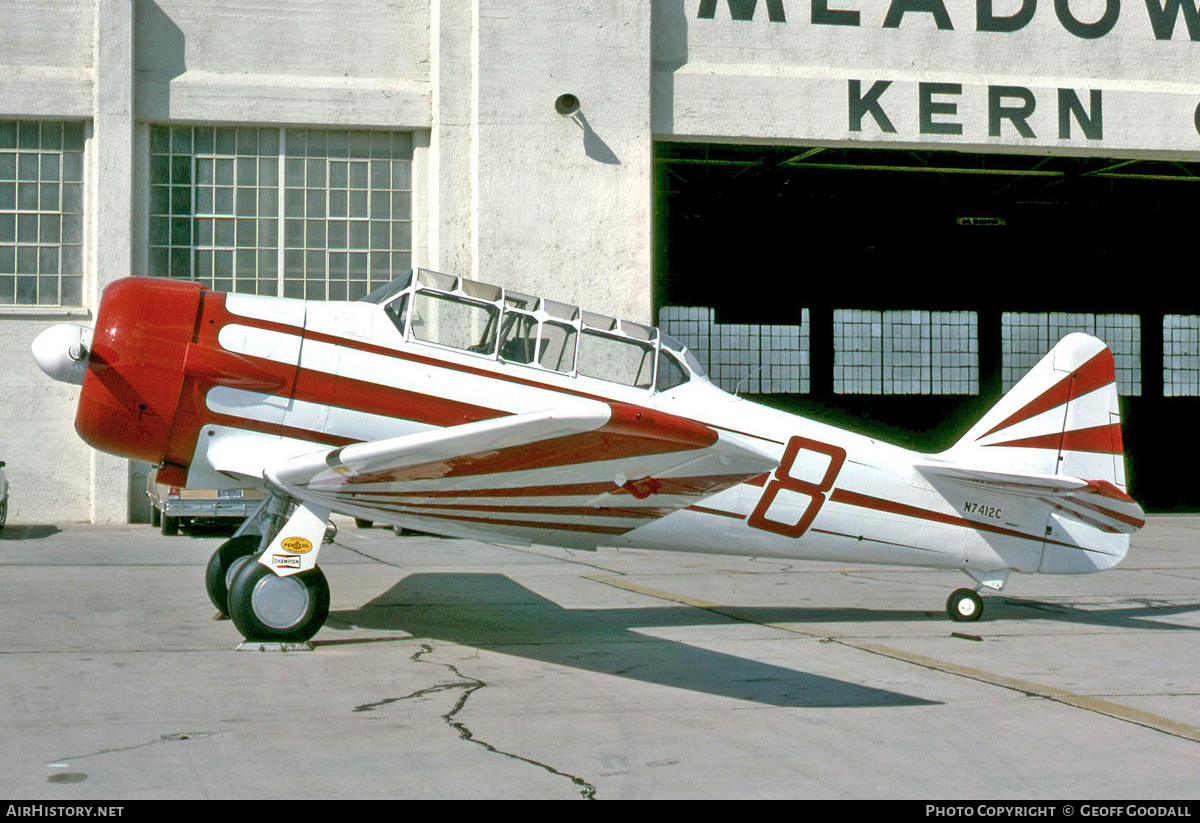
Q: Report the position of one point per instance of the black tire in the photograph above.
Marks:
(3, 512)
(169, 526)
(363, 523)
(268, 608)
(964, 606)
(227, 561)
(155, 516)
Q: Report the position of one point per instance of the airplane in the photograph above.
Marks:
(454, 407)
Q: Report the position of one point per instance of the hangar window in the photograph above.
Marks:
(311, 213)
(905, 352)
(748, 358)
(1181, 355)
(41, 213)
(1027, 336)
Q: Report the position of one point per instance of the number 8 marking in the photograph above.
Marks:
(783, 480)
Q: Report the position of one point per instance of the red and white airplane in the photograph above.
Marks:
(455, 407)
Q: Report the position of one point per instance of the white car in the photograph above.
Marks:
(3, 496)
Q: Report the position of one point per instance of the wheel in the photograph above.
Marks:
(227, 561)
(3, 512)
(155, 517)
(964, 606)
(168, 525)
(363, 523)
(267, 607)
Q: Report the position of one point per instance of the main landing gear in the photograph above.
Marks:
(263, 605)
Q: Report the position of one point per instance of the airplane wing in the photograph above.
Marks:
(571, 478)
(1096, 502)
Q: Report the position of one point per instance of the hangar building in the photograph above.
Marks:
(861, 209)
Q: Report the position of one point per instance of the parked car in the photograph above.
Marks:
(175, 506)
(3, 496)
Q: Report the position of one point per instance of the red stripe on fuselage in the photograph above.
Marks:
(646, 513)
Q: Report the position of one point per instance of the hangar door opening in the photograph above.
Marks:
(902, 292)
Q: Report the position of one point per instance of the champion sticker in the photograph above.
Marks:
(285, 561)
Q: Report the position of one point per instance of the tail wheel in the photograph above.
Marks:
(267, 607)
(964, 606)
(227, 561)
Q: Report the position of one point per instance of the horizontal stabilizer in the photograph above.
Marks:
(1098, 503)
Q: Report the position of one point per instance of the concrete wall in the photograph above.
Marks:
(505, 188)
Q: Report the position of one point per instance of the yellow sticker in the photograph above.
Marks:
(296, 545)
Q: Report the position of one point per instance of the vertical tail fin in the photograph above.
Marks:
(1062, 418)
(1054, 441)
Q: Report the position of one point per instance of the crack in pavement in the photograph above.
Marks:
(468, 686)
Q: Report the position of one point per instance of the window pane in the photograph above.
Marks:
(905, 352)
(253, 173)
(450, 321)
(1181, 355)
(616, 359)
(518, 342)
(41, 208)
(558, 352)
(1027, 336)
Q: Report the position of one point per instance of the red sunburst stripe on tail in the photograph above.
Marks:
(1092, 375)
(1097, 439)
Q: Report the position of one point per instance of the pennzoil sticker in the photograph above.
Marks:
(285, 561)
(296, 545)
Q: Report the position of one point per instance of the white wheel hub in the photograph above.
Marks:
(280, 602)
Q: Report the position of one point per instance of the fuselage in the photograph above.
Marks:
(219, 388)
(834, 495)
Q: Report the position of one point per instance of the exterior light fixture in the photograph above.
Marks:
(566, 104)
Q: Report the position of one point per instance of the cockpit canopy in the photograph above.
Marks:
(494, 322)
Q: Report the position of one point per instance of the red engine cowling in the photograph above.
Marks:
(135, 374)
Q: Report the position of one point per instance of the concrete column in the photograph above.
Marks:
(525, 197)
(565, 202)
(112, 173)
(452, 147)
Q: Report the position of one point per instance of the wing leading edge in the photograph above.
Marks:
(571, 477)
